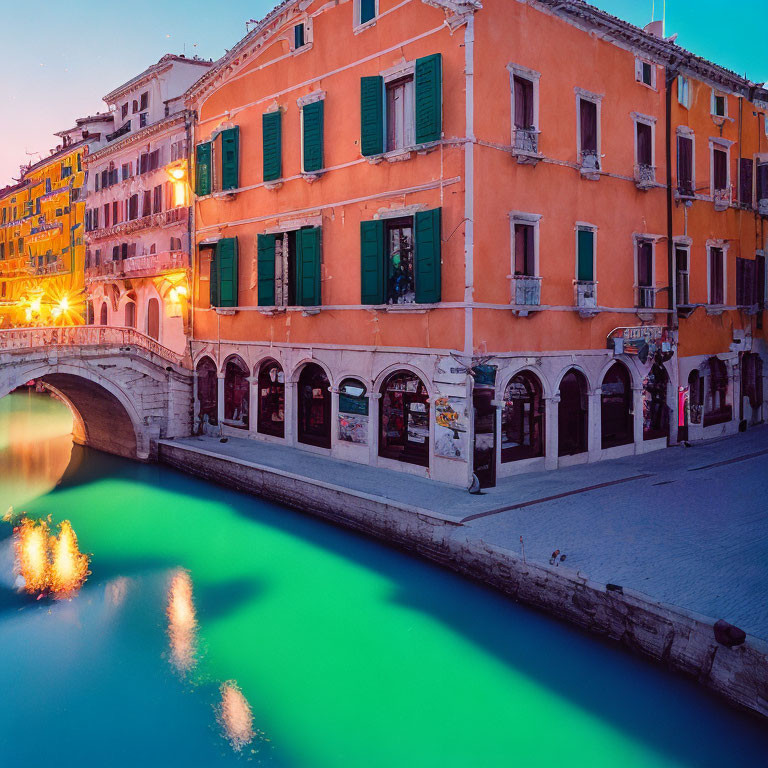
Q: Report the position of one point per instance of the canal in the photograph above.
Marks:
(217, 630)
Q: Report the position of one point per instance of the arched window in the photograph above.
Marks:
(353, 411)
(717, 409)
(271, 399)
(752, 379)
(314, 411)
(103, 314)
(236, 393)
(572, 414)
(207, 393)
(696, 396)
(404, 419)
(522, 419)
(130, 314)
(89, 317)
(655, 409)
(153, 318)
(616, 419)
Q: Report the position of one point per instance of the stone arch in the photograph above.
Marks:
(405, 420)
(573, 412)
(616, 405)
(108, 416)
(296, 371)
(573, 367)
(390, 369)
(510, 374)
(523, 418)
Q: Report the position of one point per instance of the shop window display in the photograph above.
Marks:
(236, 394)
(522, 419)
(271, 400)
(404, 419)
(314, 407)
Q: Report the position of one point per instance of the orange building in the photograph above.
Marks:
(428, 241)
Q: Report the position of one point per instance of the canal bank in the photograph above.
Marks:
(451, 528)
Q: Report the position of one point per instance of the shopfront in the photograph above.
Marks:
(522, 418)
(404, 419)
(314, 407)
(207, 394)
(236, 394)
(616, 418)
(655, 408)
(572, 414)
(353, 412)
(271, 399)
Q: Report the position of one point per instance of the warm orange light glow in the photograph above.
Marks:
(235, 715)
(52, 564)
(32, 554)
(69, 566)
(177, 173)
(182, 625)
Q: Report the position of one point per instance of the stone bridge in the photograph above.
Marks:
(124, 389)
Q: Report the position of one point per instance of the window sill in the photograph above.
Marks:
(227, 311)
(356, 30)
(273, 184)
(590, 174)
(305, 47)
(224, 194)
(406, 153)
(312, 177)
(714, 310)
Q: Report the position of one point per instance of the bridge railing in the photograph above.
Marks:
(83, 336)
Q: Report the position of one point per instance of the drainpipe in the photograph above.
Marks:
(672, 320)
(191, 114)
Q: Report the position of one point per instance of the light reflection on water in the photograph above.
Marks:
(345, 653)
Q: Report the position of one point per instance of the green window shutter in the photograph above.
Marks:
(428, 254)
(226, 271)
(312, 125)
(428, 84)
(308, 267)
(266, 270)
(203, 169)
(367, 10)
(230, 158)
(214, 277)
(372, 262)
(271, 124)
(586, 246)
(372, 115)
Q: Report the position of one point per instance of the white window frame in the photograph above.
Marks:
(403, 69)
(636, 238)
(307, 22)
(716, 142)
(681, 243)
(597, 99)
(650, 121)
(357, 26)
(684, 93)
(639, 72)
(723, 245)
(686, 133)
(532, 219)
(716, 92)
(516, 70)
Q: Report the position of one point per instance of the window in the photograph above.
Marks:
(103, 313)
(133, 207)
(616, 417)
(143, 163)
(154, 160)
(314, 407)
(153, 318)
(716, 275)
(400, 113)
(175, 244)
(157, 201)
(586, 295)
(224, 274)
(400, 259)
(272, 149)
(126, 171)
(288, 268)
(115, 212)
(746, 282)
(107, 209)
(525, 108)
(523, 260)
(719, 169)
(207, 385)
(135, 106)
(572, 426)
(144, 101)
(312, 129)
(130, 314)
(365, 11)
(682, 277)
(644, 149)
(719, 104)
(655, 410)
(646, 293)
(522, 418)
(761, 187)
(683, 91)
(746, 178)
(685, 184)
(146, 207)
(353, 412)
(143, 120)
(298, 36)
(717, 409)
(588, 130)
(217, 163)
(236, 393)
(645, 73)
(526, 285)
(124, 111)
(404, 419)
(271, 417)
(406, 110)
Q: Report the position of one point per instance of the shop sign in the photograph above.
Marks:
(485, 375)
(451, 433)
(353, 428)
(349, 404)
(643, 341)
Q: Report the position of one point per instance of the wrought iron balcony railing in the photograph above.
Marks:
(646, 297)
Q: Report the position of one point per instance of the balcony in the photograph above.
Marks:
(646, 297)
(645, 176)
(762, 206)
(722, 198)
(685, 191)
(162, 219)
(586, 295)
(590, 163)
(526, 291)
(526, 146)
(147, 265)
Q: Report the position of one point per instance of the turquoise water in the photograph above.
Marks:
(348, 653)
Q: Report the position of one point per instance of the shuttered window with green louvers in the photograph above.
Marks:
(312, 118)
(428, 84)
(271, 123)
(371, 115)
(227, 271)
(230, 158)
(214, 280)
(308, 267)
(266, 270)
(428, 256)
(203, 169)
(372, 262)
(585, 268)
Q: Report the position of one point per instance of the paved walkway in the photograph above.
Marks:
(687, 526)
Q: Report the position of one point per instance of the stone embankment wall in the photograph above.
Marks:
(682, 640)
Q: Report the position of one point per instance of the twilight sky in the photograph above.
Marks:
(59, 60)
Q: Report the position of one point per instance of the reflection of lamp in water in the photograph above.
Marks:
(182, 625)
(235, 716)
